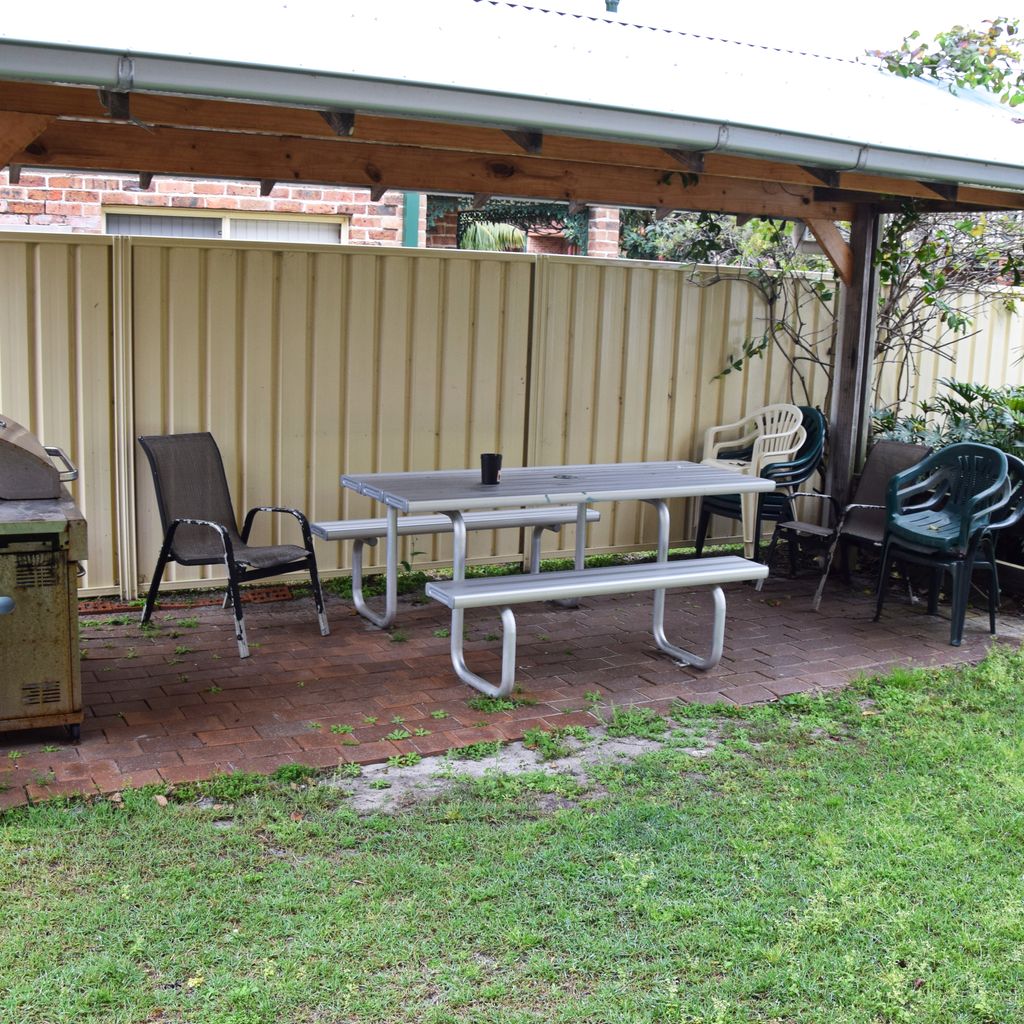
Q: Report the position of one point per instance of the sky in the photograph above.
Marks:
(841, 30)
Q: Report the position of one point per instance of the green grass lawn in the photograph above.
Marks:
(857, 857)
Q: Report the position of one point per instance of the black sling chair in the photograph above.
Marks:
(200, 527)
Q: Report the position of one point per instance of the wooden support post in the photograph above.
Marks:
(852, 374)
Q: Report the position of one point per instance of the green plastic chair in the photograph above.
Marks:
(940, 514)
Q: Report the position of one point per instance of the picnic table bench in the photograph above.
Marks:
(504, 591)
(369, 531)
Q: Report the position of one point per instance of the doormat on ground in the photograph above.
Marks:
(253, 595)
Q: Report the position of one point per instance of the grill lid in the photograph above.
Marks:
(26, 470)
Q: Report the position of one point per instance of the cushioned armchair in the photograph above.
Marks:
(200, 527)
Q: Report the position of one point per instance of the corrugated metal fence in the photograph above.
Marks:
(307, 361)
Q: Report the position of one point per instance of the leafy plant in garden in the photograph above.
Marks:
(490, 237)
(968, 412)
(988, 58)
(940, 272)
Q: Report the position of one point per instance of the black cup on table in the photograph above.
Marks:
(490, 467)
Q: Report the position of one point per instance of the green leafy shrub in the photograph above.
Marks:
(968, 412)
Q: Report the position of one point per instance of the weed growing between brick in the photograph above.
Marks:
(852, 859)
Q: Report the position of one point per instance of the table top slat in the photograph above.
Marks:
(444, 490)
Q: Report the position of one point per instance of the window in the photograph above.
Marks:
(250, 227)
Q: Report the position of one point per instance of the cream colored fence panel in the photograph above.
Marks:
(626, 363)
(306, 363)
(992, 353)
(56, 370)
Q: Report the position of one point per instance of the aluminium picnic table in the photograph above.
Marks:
(453, 492)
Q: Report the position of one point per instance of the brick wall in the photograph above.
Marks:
(551, 242)
(444, 233)
(603, 232)
(60, 201)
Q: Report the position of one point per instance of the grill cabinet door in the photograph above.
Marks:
(39, 636)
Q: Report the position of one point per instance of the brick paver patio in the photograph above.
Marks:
(181, 706)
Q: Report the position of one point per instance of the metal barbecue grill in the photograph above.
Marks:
(42, 540)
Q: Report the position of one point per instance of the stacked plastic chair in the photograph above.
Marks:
(941, 514)
(788, 473)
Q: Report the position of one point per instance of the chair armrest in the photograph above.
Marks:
(998, 489)
(712, 447)
(250, 516)
(225, 537)
(835, 510)
(980, 506)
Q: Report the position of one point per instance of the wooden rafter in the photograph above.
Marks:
(185, 112)
(113, 147)
(528, 142)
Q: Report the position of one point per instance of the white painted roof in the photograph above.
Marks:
(516, 65)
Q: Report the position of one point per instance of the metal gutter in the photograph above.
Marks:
(108, 69)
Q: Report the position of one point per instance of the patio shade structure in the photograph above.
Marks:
(501, 99)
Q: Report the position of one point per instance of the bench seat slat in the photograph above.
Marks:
(490, 591)
(353, 529)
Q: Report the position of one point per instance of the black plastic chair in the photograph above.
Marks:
(967, 491)
(200, 527)
(776, 506)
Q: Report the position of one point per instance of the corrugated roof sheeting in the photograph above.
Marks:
(494, 62)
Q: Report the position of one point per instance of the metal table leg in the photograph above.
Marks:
(580, 552)
(664, 524)
(390, 578)
(508, 646)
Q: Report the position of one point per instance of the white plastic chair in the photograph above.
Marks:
(771, 434)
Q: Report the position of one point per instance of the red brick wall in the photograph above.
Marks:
(603, 232)
(550, 242)
(72, 202)
(444, 232)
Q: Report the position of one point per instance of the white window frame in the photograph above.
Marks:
(227, 216)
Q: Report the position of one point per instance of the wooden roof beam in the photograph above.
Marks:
(152, 109)
(894, 204)
(113, 146)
